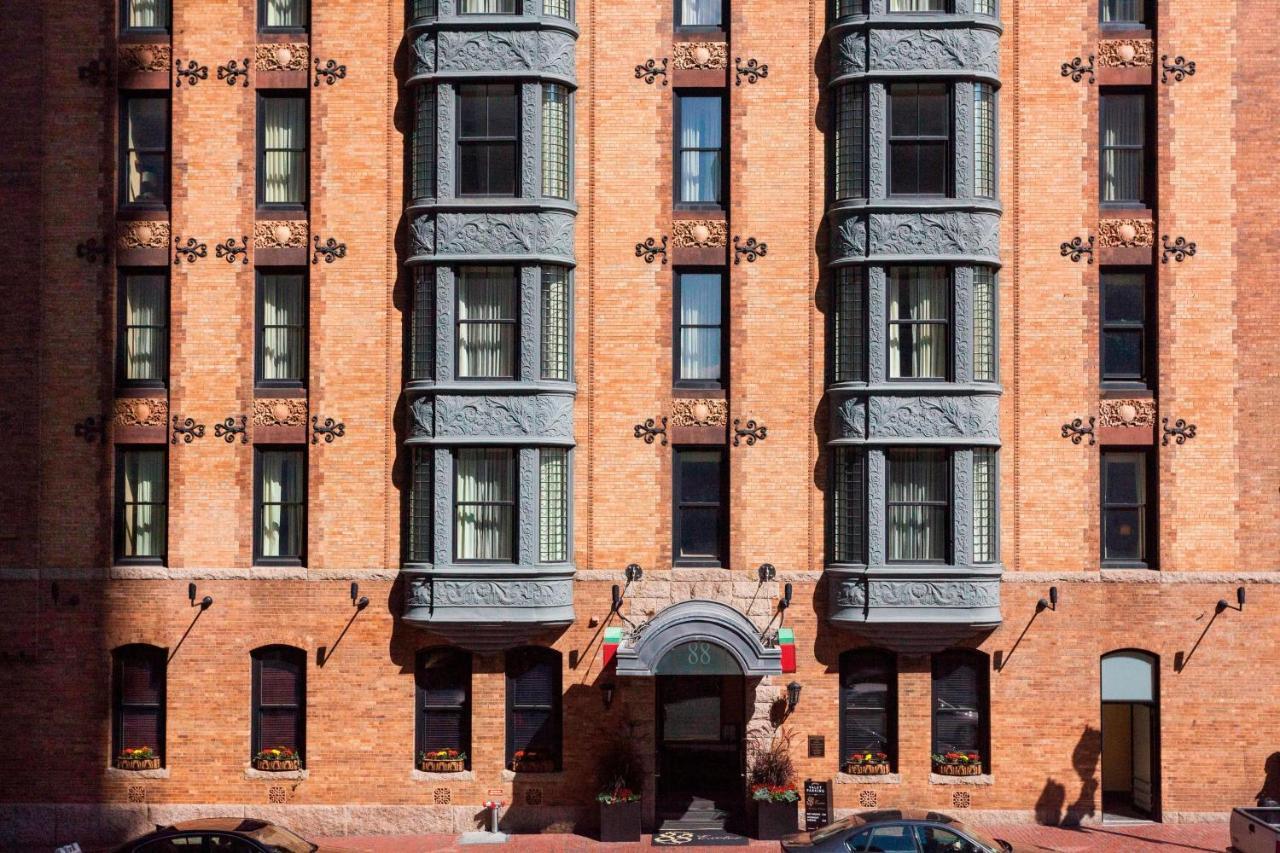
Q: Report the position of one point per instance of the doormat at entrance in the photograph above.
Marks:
(694, 838)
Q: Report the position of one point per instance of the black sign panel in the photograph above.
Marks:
(817, 804)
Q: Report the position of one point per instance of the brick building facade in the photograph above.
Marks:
(901, 313)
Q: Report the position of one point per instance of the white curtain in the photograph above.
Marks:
(484, 500)
(147, 140)
(286, 13)
(283, 320)
(487, 299)
(917, 347)
(148, 14)
(281, 495)
(284, 143)
(700, 141)
(145, 346)
(144, 504)
(487, 7)
(700, 13)
(918, 479)
(1122, 141)
(1122, 11)
(917, 5)
(699, 309)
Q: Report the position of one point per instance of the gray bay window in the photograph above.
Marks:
(484, 504)
(488, 299)
(488, 139)
(919, 320)
(919, 505)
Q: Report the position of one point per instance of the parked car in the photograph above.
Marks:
(897, 832)
(1255, 830)
(223, 835)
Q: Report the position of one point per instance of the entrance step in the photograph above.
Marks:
(700, 815)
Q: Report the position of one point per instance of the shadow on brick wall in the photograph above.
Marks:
(1052, 808)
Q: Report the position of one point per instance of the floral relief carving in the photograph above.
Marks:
(693, 55)
(855, 592)
(285, 411)
(1126, 232)
(700, 233)
(935, 234)
(935, 417)
(141, 412)
(504, 417)
(144, 58)
(442, 592)
(423, 412)
(295, 56)
(501, 233)
(280, 234)
(852, 53)
(143, 234)
(852, 418)
(935, 50)
(1127, 413)
(686, 412)
(851, 238)
(547, 51)
(1126, 53)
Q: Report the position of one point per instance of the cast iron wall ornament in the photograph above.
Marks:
(89, 429)
(331, 249)
(1076, 69)
(1076, 431)
(233, 71)
(752, 432)
(1076, 248)
(331, 71)
(1179, 69)
(750, 248)
(189, 250)
(330, 429)
(193, 73)
(92, 251)
(753, 71)
(650, 249)
(187, 428)
(231, 251)
(650, 71)
(93, 71)
(1181, 249)
(649, 430)
(1179, 432)
(229, 429)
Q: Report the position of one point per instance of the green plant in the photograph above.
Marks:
(442, 755)
(960, 759)
(619, 773)
(772, 774)
(277, 753)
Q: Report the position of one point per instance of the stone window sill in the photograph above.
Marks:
(983, 779)
(868, 779)
(554, 776)
(251, 772)
(422, 776)
(116, 772)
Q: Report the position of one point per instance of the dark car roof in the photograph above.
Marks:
(886, 815)
(224, 824)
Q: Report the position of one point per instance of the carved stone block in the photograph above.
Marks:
(144, 58)
(284, 411)
(955, 233)
(295, 56)
(851, 419)
(520, 51)
(936, 50)
(141, 412)
(1127, 413)
(497, 418)
(503, 234)
(700, 55)
(1126, 53)
(857, 592)
(280, 234)
(968, 418)
(1126, 233)
(700, 233)
(851, 53)
(142, 234)
(686, 412)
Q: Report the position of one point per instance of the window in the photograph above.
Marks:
(423, 165)
(488, 134)
(845, 8)
(851, 141)
(488, 7)
(699, 329)
(868, 704)
(984, 140)
(960, 698)
(444, 701)
(138, 700)
(282, 15)
(558, 8)
(1126, 530)
(556, 339)
(919, 505)
(985, 7)
(488, 299)
(143, 339)
(699, 140)
(699, 14)
(282, 329)
(280, 533)
(936, 839)
(985, 527)
(484, 503)
(144, 148)
(919, 139)
(893, 838)
(420, 540)
(919, 316)
(424, 8)
(141, 504)
(1124, 327)
(1124, 148)
(918, 6)
(849, 336)
(140, 16)
(985, 350)
(553, 505)
(555, 141)
(1123, 11)
(282, 149)
(533, 704)
(279, 699)
(848, 507)
(422, 351)
(700, 523)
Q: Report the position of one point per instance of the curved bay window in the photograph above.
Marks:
(280, 699)
(484, 502)
(961, 711)
(919, 139)
(488, 134)
(851, 141)
(533, 709)
(849, 335)
(422, 165)
(868, 708)
(919, 505)
(848, 506)
(555, 141)
(444, 704)
(919, 6)
(553, 504)
(556, 355)
(138, 702)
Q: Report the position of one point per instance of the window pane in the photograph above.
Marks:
(849, 334)
(918, 319)
(488, 118)
(484, 498)
(700, 532)
(892, 839)
(851, 141)
(700, 142)
(555, 141)
(700, 332)
(1123, 297)
(284, 147)
(698, 496)
(700, 13)
(1124, 498)
(984, 140)
(1122, 11)
(553, 504)
(1124, 478)
(932, 168)
(420, 505)
(917, 5)
(985, 351)
(700, 476)
(555, 323)
(904, 109)
(282, 336)
(984, 505)
(142, 511)
(146, 338)
(424, 144)
(984, 7)
(844, 8)
(424, 8)
(959, 701)
(487, 7)
(282, 493)
(146, 149)
(423, 328)
(919, 500)
(558, 8)
(147, 15)
(487, 299)
(285, 13)
(1123, 147)
(1122, 355)
(934, 109)
(848, 508)
(1122, 534)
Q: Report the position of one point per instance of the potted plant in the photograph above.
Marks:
(277, 759)
(957, 763)
(620, 776)
(773, 788)
(867, 763)
(138, 758)
(442, 761)
(532, 761)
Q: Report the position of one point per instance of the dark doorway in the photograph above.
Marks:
(1130, 737)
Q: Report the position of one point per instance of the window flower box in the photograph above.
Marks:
(277, 759)
(442, 761)
(867, 764)
(957, 764)
(531, 761)
(138, 758)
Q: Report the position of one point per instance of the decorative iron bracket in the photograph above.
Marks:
(187, 428)
(233, 71)
(332, 72)
(650, 71)
(1076, 431)
(231, 251)
(753, 71)
(193, 73)
(752, 432)
(1076, 69)
(1180, 432)
(1076, 248)
(330, 429)
(189, 250)
(331, 249)
(93, 71)
(229, 429)
(650, 249)
(649, 430)
(1179, 69)
(1181, 249)
(750, 248)
(89, 429)
(92, 251)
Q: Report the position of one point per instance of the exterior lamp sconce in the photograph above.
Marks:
(793, 696)
(634, 572)
(786, 597)
(358, 601)
(766, 572)
(1051, 603)
(606, 690)
(1222, 602)
(617, 598)
(205, 603)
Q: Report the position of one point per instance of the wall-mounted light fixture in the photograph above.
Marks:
(793, 696)
(205, 603)
(786, 597)
(766, 572)
(1222, 602)
(634, 572)
(606, 690)
(617, 598)
(358, 601)
(1051, 603)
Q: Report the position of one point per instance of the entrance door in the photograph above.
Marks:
(1130, 736)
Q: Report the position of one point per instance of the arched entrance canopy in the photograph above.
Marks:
(734, 638)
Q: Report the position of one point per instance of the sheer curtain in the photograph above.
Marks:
(282, 323)
(484, 496)
(1122, 144)
(147, 140)
(1122, 11)
(917, 5)
(486, 322)
(281, 495)
(144, 318)
(700, 13)
(487, 7)
(148, 14)
(286, 13)
(918, 315)
(700, 326)
(700, 142)
(284, 147)
(144, 517)
(918, 499)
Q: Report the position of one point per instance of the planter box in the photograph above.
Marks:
(866, 769)
(775, 821)
(275, 765)
(137, 763)
(442, 765)
(537, 765)
(620, 822)
(958, 769)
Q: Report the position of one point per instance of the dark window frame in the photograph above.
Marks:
(722, 28)
(154, 656)
(259, 328)
(258, 558)
(123, 150)
(420, 334)
(127, 30)
(118, 534)
(295, 657)
(857, 549)
(678, 149)
(982, 665)
(460, 141)
(949, 323)
(260, 149)
(1147, 328)
(1147, 149)
(419, 537)
(839, 94)
(857, 8)
(122, 327)
(888, 662)
(918, 139)
(301, 30)
(678, 505)
(465, 663)
(513, 471)
(1148, 24)
(843, 279)
(1148, 508)
(679, 327)
(517, 280)
(555, 709)
(948, 455)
